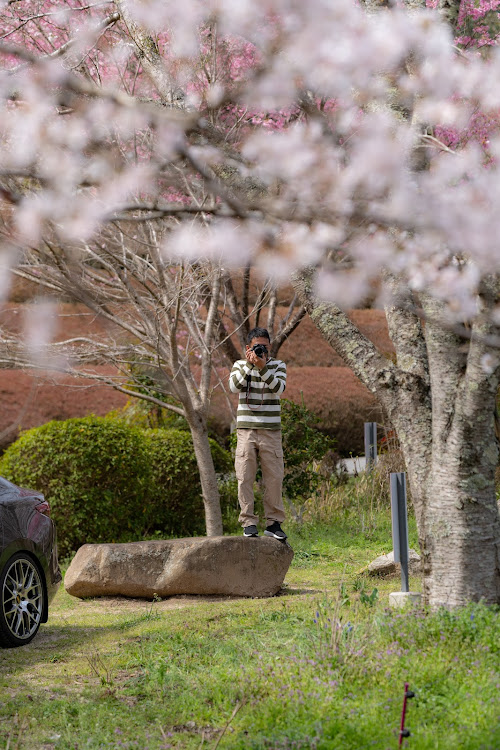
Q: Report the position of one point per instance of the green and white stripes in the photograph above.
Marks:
(261, 410)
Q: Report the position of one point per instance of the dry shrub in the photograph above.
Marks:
(285, 292)
(22, 290)
(69, 320)
(389, 462)
(329, 388)
(360, 497)
(341, 402)
(306, 347)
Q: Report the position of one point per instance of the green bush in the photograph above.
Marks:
(93, 471)
(107, 481)
(303, 443)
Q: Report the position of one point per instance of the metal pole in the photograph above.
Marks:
(402, 731)
(400, 525)
(370, 445)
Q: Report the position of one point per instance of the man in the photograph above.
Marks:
(260, 380)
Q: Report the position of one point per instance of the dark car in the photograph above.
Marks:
(29, 571)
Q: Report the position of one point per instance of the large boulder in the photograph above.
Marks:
(225, 565)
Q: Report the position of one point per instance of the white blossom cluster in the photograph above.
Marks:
(333, 113)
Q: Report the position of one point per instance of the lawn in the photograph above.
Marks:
(321, 666)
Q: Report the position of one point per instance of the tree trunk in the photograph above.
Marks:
(462, 539)
(210, 490)
(440, 401)
(462, 524)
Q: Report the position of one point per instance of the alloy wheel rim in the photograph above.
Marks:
(22, 599)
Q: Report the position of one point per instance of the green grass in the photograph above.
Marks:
(321, 666)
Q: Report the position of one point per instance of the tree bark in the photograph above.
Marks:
(150, 58)
(462, 539)
(410, 407)
(210, 490)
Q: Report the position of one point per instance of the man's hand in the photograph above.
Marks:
(259, 362)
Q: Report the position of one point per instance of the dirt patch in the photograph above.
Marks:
(342, 403)
(306, 347)
(121, 604)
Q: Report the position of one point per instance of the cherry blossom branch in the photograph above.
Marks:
(214, 184)
(435, 141)
(84, 87)
(99, 28)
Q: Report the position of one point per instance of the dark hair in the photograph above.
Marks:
(257, 333)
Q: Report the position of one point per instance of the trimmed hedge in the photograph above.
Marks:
(109, 482)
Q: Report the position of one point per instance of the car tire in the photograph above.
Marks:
(22, 600)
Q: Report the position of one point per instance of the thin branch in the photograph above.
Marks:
(102, 26)
(213, 183)
(236, 709)
(271, 312)
(435, 141)
(153, 212)
(245, 297)
(209, 335)
(286, 330)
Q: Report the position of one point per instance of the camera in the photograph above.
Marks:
(260, 350)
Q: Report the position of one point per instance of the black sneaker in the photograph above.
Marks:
(275, 531)
(250, 531)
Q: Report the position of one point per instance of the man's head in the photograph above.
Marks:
(259, 337)
(258, 333)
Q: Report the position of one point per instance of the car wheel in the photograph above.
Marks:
(22, 600)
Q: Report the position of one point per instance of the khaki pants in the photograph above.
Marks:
(265, 445)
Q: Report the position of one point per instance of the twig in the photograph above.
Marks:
(22, 727)
(236, 709)
(437, 142)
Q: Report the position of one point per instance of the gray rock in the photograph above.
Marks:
(385, 565)
(225, 565)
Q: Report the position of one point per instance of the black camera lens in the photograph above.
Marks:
(260, 350)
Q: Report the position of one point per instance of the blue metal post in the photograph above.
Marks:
(370, 445)
(400, 525)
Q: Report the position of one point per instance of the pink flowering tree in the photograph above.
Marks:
(168, 323)
(351, 146)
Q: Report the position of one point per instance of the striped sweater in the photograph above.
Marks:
(262, 411)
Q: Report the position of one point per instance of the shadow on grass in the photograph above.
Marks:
(58, 643)
(62, 641)
(296, 591)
